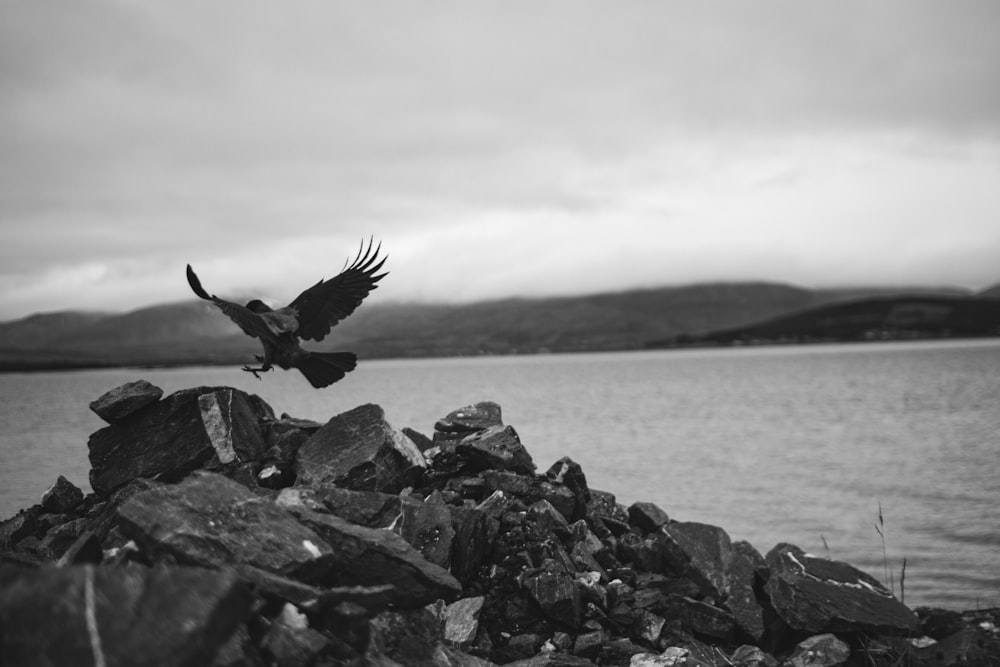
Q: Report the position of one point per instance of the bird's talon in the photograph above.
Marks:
(255, 371)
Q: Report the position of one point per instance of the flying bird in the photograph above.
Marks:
(310, 316)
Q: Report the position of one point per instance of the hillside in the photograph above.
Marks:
(194, 332)
(878, 318)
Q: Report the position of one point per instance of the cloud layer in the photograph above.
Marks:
(496, 148)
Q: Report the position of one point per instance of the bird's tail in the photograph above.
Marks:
(324, 368)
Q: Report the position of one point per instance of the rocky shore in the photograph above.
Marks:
(220, 534)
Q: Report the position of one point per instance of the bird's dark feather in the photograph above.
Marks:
(246, 319)
(329, 301)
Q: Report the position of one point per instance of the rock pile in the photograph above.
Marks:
(219, 534)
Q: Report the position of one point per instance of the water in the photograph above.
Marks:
(776, 444)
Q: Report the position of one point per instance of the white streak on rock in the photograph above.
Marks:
(311, 548)
(90, 611)
(217, 427)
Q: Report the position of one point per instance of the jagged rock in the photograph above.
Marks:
(365, 508)
(977, 644)
(18, 527)
(819, 651)
(62, 496)
(117, 616)
(647, 517)
(316, 599)
(568, 473)
(475, 531)
(648, 625)
(59, 538)
(86, 548)
(604, 506)
(551, 659)
(461, 620)
(115, 405)
(673, 655)
(422, 442)
(469, 419)
(619, 652)
(427, 526)
(816, 595)
(494, 448)
(360, 450)
(211, 520)
(194, 428)
(723, 570)
(742, 566)
(939, 623)
(370, 557)
(548, 519)
(556, 593)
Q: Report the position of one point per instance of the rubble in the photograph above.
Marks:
(219, 534)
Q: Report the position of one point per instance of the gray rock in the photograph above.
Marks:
(556, 593)
(818, 595)
(292, 647)
(115, 405)
(360, 450)
(751, 656)
(427, 526)
(700, 617)
(213, 521)
(469, 419)
(475, 531)
(118, 616)
(62, 496)
(194, 428)
(371, 557)
(819, 651)
(647, 517)
(461, 621)
(494, 448)
(365, 508)
(742, 569)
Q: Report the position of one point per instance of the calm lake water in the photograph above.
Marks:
(774, 444)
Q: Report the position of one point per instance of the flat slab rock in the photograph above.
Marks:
(115, 405)
(818, 595)
(189, 429)
(117, 617)
(212, 521)
(360, 450)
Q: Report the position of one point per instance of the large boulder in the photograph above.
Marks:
(86, 615)
(360, 450)
(821, 596)
(203, 427)
(212, 521)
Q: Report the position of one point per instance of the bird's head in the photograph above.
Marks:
(258, 306)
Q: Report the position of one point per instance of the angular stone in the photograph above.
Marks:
(494, 448)
(817, 595)
(475, 531)
(365, 508)
(373, 599)
(698, 551)
(360, 450)
(213, 521)
(741, 568)
(291, 647)
(605, 506)
(548, 519)
(372, 556)
(118, 616)
(404, 638)
(193, 428)
(819, 651)
(469, 419)
(568, 472)
(62, 496)
(115, 405)
(647, 517)
(461, 620)
(427, 526)
(556, 593)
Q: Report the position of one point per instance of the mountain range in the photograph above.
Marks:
(193, 332)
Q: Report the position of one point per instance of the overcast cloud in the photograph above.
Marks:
(495, 148)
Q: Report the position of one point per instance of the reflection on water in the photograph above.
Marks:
(796, 444)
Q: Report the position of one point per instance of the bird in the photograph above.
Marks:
(309, 316)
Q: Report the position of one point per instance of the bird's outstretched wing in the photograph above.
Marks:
(329, 301)
(250, 322)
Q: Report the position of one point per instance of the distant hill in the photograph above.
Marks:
(194, 332)
(900, 317)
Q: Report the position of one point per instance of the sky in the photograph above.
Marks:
(494, 148)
